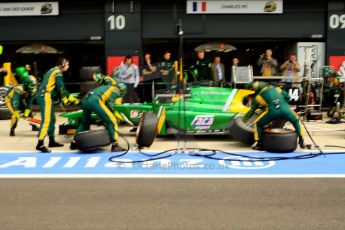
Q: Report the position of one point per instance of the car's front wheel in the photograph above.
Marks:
(147, 129)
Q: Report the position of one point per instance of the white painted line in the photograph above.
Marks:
(138, 176)
(157, 151)
(229, 100)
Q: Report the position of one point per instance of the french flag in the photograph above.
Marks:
(199, 6)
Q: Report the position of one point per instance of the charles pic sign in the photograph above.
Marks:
(234, 7)
(16, 9)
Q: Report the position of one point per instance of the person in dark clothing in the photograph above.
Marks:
(166, 69)
(201, 70)
(150, 75)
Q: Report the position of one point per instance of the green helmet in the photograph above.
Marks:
(256, 86)
(22, 73)
(32, 85)
(122, 87)
(98, 77)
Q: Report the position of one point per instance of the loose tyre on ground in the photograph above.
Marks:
(147, 129)
(244, 132)
(280, 140)
(86, 72)
(92, 140)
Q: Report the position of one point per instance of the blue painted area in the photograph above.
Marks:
(77, 163)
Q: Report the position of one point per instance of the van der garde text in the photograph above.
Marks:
(8, 9)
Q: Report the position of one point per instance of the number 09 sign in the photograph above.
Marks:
(336, 21)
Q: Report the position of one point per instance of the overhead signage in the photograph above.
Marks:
(234, 7)
(29, 9)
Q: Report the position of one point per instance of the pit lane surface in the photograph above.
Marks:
(144, 203)
(270, 204)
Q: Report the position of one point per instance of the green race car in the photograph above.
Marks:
(202, 110)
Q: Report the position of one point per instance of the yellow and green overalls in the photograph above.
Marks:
(52, 88)
(100, 101)
(20, 98)
(14, 99)
(274, 102)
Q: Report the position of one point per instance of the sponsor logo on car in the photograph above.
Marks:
(203, 122)
(135, 113)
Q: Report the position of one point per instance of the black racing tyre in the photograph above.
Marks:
(92, 140)
(5, 113)
(277, 124)
(87, 72)
(85, 87)
(280, 140)
(240, 131)
(147, 129)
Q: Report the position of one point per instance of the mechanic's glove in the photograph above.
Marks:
(73, 100)
(65, 101)
(26, 113)
(77, 102)
(16, 113)
(119, 116)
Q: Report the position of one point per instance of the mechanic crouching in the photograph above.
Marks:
(274, 102)
(19, 98)
(101, 101)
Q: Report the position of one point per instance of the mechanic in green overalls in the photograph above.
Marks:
(274, 102)
(52, 88)
(101, 101)
(19, 98)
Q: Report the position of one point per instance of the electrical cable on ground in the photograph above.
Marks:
(211, 154)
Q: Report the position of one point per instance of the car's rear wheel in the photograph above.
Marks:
(280, 140)
(147, 129)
